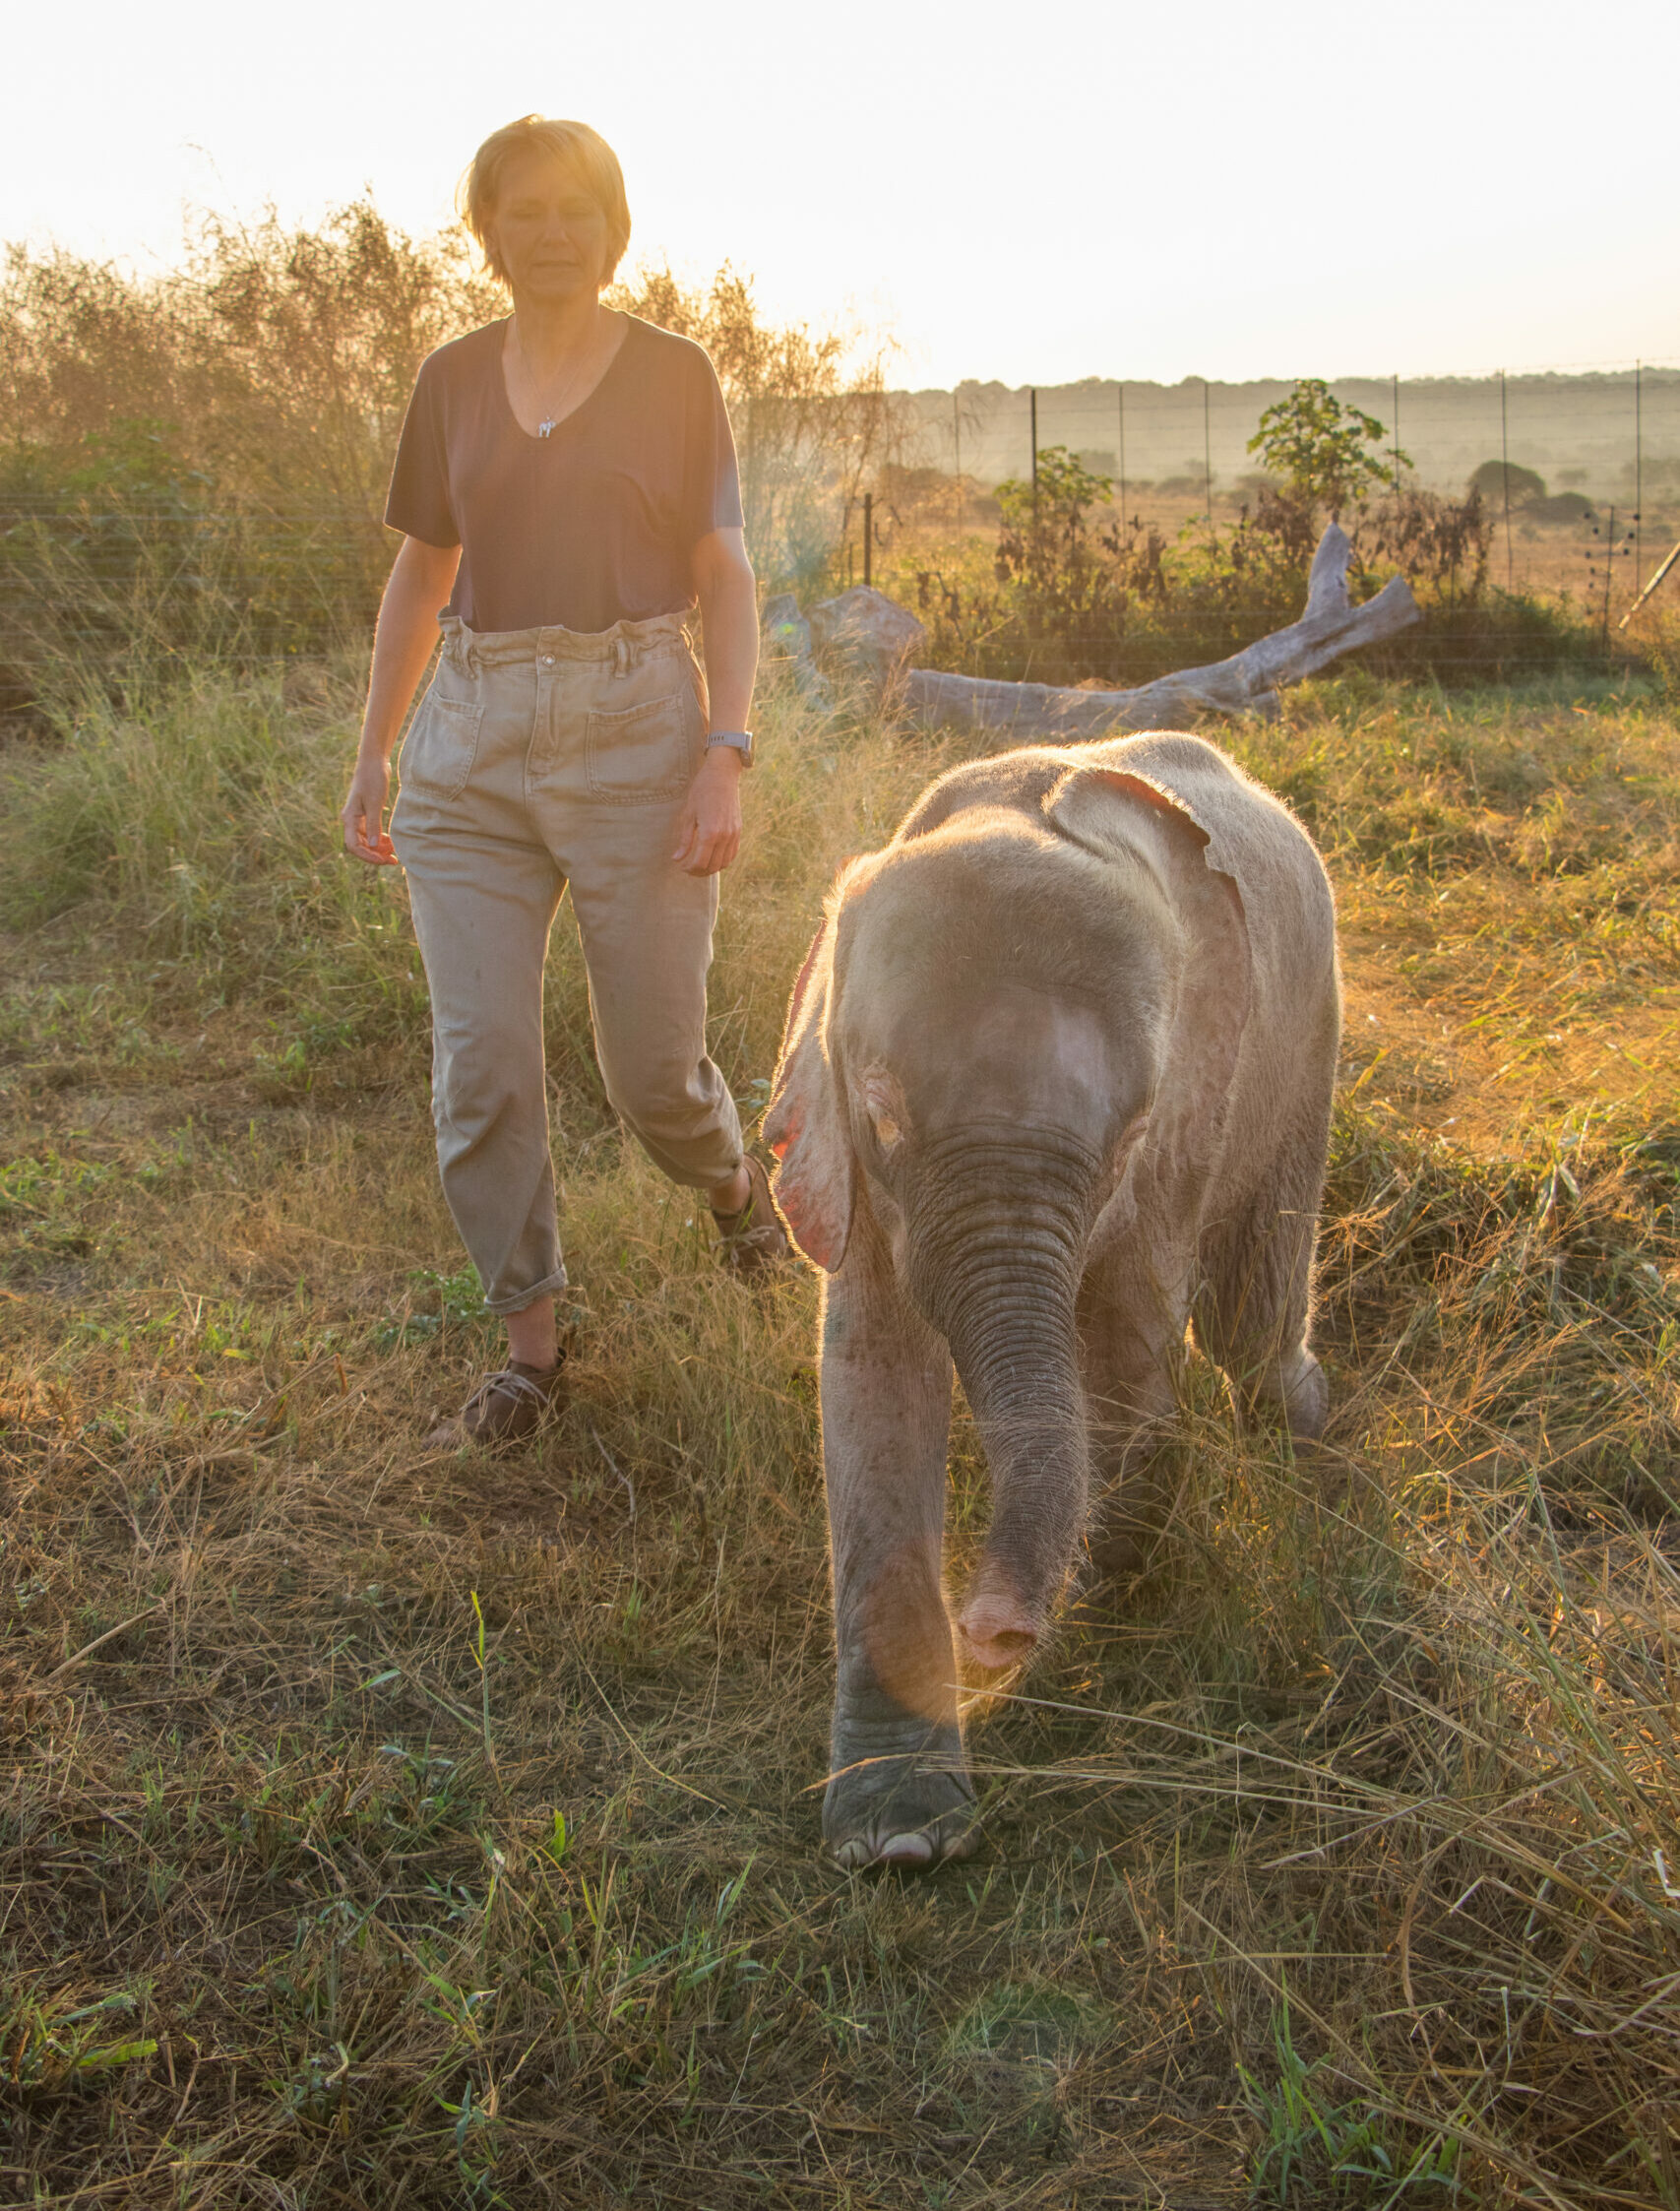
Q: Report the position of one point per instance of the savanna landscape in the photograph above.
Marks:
(379, 1826)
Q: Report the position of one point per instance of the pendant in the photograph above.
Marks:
(543, 428)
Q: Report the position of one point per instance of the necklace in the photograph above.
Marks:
(550, 421)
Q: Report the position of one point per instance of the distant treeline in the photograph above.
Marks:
(1605, 435)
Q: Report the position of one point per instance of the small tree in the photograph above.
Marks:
(1047, 537)
(1069, 574)
(1496, 479)
(1318, 447)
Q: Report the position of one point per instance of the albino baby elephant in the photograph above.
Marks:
(1056, 1080)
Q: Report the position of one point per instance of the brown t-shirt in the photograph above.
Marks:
(594, 524)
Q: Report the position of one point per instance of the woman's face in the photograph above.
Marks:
(549, 230)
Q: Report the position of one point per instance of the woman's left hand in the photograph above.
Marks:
(709, 830)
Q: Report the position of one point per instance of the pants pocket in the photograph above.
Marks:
(441, 745)
(635, 755)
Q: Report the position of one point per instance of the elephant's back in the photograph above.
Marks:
(1015, 781)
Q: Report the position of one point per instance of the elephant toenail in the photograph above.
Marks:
(905, 1850)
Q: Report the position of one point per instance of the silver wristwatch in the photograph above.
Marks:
(737, 740)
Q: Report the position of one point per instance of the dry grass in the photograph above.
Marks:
(378, 1829)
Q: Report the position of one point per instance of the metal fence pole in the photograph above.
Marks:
(1505, 469)
(868, 535)
(1609, 571)
(1032, 432)
(1638, 472)
(1206, 454)
(1120, 397)
(956, 443)
(1396, 386)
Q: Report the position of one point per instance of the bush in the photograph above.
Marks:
(1562, 506)
(1073, 596)
(198, 462)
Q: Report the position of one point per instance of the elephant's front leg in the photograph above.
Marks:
(899, 1792)
(1131, 1311)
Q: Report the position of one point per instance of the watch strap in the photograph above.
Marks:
(737, 740)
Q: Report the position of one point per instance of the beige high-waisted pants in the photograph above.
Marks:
(539, 757)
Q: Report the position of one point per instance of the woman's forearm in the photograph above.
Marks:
(421, 579)
(729, 616)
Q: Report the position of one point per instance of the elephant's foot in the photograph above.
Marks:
(1296, 1387)
(1120, 1550)
(1306, 1398)
(914, 1812)
(1145, 1482)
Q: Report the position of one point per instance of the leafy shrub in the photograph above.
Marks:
(1068, 578)
(1071, 595)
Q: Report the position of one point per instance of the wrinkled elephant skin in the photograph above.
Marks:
(1056, 1081)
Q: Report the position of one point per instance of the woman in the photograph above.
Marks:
(566, 487)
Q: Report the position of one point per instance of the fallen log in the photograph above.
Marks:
(874, 638)
(1246, 683)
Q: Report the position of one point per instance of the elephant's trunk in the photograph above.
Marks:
(998, 1235)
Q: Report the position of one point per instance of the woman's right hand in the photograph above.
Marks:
(421, 579)
(363, 813)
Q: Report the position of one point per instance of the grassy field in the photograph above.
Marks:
(379, 1829)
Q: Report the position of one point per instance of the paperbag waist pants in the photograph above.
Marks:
(536, 758)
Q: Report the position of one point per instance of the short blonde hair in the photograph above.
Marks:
(576, 146)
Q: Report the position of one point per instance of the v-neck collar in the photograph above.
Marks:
(588, 399)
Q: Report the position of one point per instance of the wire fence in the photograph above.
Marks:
(1586, 453)
(1586, 501)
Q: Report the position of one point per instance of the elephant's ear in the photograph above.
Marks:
(1101, 807)
(1081, 807)
(805, 1126)
(1097, 805)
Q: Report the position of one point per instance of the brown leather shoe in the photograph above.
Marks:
(505, 1407)
(753, 1240)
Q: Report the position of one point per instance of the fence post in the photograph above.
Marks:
(868, 535)
(1639, 473)
(1396, 385)
(1120, 395)
(1206, 455)
(1505, 474)
(1609, 571)
(1032, 419)
(957, 446)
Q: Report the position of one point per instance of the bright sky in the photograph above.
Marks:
(1033, 193)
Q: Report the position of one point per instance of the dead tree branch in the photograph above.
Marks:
(885, 637)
